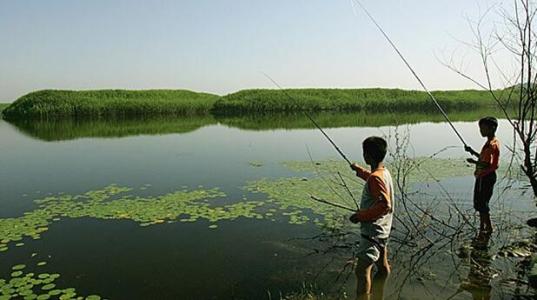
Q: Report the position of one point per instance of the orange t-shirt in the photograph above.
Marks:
(489, 158)
(379, 191)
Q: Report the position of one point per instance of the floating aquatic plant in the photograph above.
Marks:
(112, 202)
(289, 195)
(30, 286)
(328, 180)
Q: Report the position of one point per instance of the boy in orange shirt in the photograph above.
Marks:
(375, 216)
(485, 173)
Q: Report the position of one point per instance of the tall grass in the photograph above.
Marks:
(368, 100)
(110, 103)
(2, 107)
(57, 104)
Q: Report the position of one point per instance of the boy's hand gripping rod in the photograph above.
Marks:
(411, 70)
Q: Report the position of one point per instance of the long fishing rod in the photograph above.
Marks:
(332, 204)
(312, 120)
(411, 70)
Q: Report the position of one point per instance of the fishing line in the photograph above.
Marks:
(312, 120)
(410, 68)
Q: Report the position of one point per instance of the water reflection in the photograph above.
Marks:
(481, 273)
(68, 129)
(420, 256)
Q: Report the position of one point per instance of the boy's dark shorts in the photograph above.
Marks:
(484, 186)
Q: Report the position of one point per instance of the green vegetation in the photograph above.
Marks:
(53, 104)
(29, 285)
(2, 107)
(112, 202)
(367, 100)
(287, 197)
(292, 194)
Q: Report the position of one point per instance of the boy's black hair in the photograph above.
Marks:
(489, 121)
(376, 147)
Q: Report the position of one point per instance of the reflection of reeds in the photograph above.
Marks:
(270, 121)
(67, 129)
(71, 128)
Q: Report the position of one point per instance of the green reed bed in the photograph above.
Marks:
(55, 104)
(109, 103)
(2, 107)
(369, 100)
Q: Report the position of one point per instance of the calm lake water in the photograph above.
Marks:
(244, 258)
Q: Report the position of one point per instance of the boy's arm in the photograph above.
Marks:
(382, 205)
(361, 172)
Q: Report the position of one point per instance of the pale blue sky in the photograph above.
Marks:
(221, 46)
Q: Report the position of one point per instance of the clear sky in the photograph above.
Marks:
(221, 46)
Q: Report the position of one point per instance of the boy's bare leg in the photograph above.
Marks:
(488, 223)
(363, 280)
(383, 271)
(383, 266)
(481, 222)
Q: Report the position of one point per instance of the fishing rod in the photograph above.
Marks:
(312, 120)
(411, 70)
(332, 204)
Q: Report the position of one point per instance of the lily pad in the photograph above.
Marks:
(16, 274)
(49, 286)
(18, 267)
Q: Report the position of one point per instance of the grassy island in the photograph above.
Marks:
(3, 106)
(48, 104)
(367, 100)
(58, 104)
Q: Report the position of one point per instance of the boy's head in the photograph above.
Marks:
(488, 126)
(374, 149)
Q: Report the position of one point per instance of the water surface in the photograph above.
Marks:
(243, 258)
